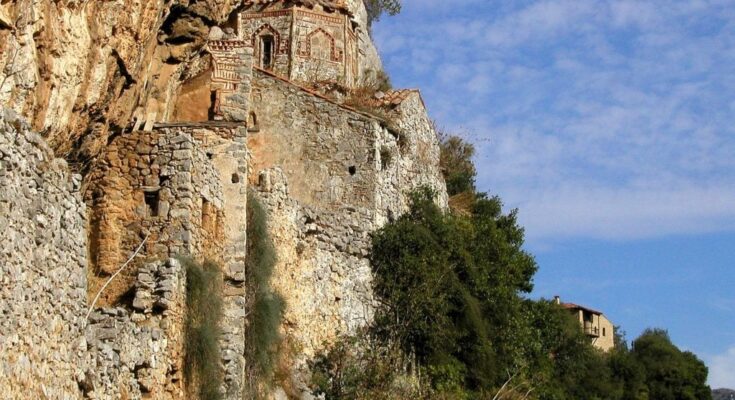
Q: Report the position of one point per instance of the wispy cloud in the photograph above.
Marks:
(602, 118)
(722, 370)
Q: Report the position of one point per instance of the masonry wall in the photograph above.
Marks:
(149, 187)
(277, 23)
(606, 341)
(327, 152)
(138, 352)
(418, 148)
(329, 176)
(321, 44)
(198, 172)
(43, 286)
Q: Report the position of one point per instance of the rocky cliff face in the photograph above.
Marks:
(77, 68)
(127, 91)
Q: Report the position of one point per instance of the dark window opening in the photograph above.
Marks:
(252, 120)
(353, 170)
(151, 203)
(603, 332)
(267, 47)
(235, 178)
(213, 106)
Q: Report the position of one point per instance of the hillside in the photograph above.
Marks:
(723, 394)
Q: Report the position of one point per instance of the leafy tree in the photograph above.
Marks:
(450, 289)
(376, 8)
(456, 164)
(670, 374)
(358, 367)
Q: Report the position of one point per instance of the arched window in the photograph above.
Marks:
(321, 46)
(267, 51)
(252, 120)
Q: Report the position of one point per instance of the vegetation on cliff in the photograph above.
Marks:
(454, 322)
(203, 329)
(376, 8)
(266, 308)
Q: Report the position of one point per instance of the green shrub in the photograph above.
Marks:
(359, 367)
(202, 328)
(456, 164)
(266, 307)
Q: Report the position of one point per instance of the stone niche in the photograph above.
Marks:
(158, 187)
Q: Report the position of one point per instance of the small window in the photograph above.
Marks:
(252, 120)
(151, 203)
(352, 170)
(603, 332)
(267, 48)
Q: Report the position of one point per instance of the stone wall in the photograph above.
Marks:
(328, 176)
(226, 149)
(327, 152)
(184, 187)
(139, 353)
(417, 149)
(311, 45)
(43, 285)
(154, 187)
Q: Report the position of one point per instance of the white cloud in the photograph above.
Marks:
(722, 370)
(624, 213)
(604, 118)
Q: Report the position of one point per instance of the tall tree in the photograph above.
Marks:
(450, 287)
(670, 374)
(376, 8)
(456, 164)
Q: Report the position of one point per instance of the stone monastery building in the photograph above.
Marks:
(250, 120)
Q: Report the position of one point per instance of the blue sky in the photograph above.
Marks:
(610, 125)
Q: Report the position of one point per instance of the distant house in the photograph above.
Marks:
(596, 326)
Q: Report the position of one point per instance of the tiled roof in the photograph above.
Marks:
(572, 306)
(393, 98)
(338, 5)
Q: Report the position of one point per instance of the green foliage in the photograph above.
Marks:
(670, 373)
(376, 8)
(450, 287)
(359, 367)
(451, 292)
(202, 330)
(267, 307)
(456, 164)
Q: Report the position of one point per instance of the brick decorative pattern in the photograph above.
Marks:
(306, 47)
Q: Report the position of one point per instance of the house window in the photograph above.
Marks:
(267, 48)
(603, 331)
